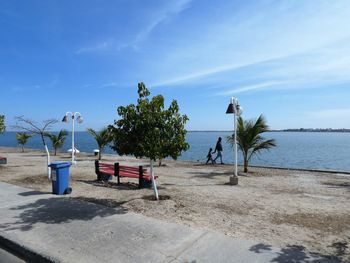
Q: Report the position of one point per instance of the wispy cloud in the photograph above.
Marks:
(172, 9)
(195, 76)
(337, 113)
(95, 47)
(258, 86)
(108, 85)
(155, 19)
(18, 88)
(295, 52)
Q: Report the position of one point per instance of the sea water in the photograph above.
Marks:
(315, 150)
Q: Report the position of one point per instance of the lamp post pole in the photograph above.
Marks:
(79, 120)
(235, 134)
(235, 109)
(73, 147)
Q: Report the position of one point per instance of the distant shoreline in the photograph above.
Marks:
(283, 130)
(5, 149)
(295, 130)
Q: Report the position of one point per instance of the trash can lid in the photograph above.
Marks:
(57, 165)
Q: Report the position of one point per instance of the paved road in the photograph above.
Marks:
(6, 257)
(61, 229)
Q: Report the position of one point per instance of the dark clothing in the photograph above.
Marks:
(209, 157)
(218, 147)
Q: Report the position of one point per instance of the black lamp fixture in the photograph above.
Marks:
(230, 109)
(65, 119)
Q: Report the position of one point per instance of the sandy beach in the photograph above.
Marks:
(271, 206)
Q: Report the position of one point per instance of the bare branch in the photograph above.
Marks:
(30, 126)
(48, 124)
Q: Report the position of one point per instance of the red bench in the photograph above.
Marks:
(105, 171)
(3, 160)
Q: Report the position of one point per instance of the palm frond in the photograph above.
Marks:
(264, 145)
(249, 137)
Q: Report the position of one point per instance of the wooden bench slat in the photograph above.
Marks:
(123, 171)
(107, 171)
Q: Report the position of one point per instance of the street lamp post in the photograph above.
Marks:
(235, 109)
(75, 115)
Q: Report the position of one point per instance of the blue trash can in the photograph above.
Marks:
(60, 178)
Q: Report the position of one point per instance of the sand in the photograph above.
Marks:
(271, 206)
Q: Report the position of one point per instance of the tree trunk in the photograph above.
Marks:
(160, 162)
(99, 154)
(154, 185)
(245, 165)
(55, 151)
(22, 149)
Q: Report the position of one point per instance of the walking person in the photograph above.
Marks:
(209, 156)
(218, 148)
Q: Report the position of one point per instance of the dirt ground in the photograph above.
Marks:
(304, 209)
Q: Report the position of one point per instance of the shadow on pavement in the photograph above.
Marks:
(295, 254)
(30, 193)
(57, 211)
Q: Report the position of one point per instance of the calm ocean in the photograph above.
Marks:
(294, 149)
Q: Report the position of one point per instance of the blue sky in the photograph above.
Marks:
(288, 60)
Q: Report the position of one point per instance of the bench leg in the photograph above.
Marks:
(116, 172)
(140, 176)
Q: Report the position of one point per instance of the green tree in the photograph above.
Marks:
(57, 140)
(148, 129)
(22, 139)
(2, 124)
(249, 138)
(103, 138)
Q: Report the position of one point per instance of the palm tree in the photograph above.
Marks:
(102, 138)
(57, 140)
(22, 138)
(249, 138)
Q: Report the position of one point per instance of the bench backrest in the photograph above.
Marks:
(111, 168)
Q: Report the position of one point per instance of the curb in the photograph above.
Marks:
(24, 252)
(300, 169)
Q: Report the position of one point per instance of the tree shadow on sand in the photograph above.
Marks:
(57, 211)
(295, 254)
(210, 175)
(114, 185)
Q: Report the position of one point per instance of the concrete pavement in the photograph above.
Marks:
(8, 257)
(48, 228)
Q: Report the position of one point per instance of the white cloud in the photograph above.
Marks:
(194, 76)
(276, 32)
(156, 18)
(96, 47)
(335, 113)
(258, 86)
(108, 85)
(172, 9)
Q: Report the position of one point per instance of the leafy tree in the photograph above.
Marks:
(22, 139)
(148, 129)
(249, 138)
(57, 140)
(103, 138)
(2, 124)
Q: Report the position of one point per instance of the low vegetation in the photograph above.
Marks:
(2, 124)
(103, 138)
(249, 138)
(57, 140)
(22, 139)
